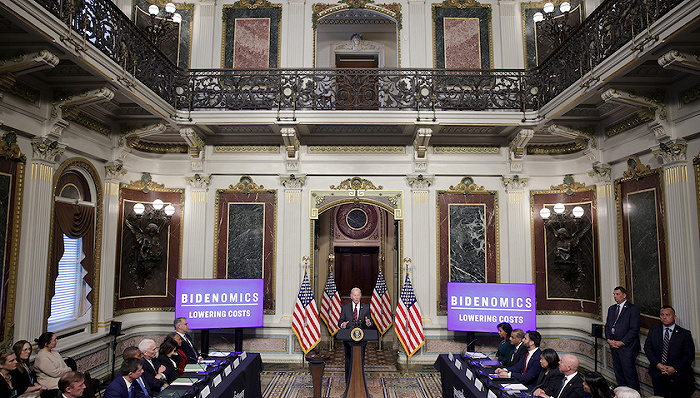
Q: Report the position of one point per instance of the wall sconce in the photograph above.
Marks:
(160, 28)
(559, 209)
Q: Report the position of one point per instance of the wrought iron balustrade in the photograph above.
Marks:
(614, 24)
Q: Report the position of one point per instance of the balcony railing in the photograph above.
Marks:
(614, 24)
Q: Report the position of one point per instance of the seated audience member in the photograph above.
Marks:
(626, 392)
(132, 352)
(182, 329)
(550, 378)
(179, 357)
(49, 365)
(505, 348)
(572, 383)
(71, 385)
(528, 367)
(128, 384)
(165, 354)
(153, 371)
(8, 363)
(519, 349)
(23, 378)
(595, 386)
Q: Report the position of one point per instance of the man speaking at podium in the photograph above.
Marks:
(354, 315)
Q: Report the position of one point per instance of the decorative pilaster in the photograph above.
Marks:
(419, 54)
(293, 227)
(295, 47)
(517, 221)
(204, 22)
(36, 227)
(511, 34)
(420, 233)
(607, 231)
(682, 251)
(194, 233)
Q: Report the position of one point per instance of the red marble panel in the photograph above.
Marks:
(462, 48)
(251, 43)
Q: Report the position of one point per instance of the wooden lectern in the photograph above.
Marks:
(357, 338)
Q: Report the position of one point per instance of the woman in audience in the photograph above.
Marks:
(23, 377)
(179, 357)
(165, 354)
(550, 378)
(505, 348)
(8, 363)
(595, 386)
(49, 365)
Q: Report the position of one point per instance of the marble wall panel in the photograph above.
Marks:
(566, 254)
(251, 37)
(148, 252)
(462, 37)
(245, 239)
(467, 240)
(462, 44)
(642, 244)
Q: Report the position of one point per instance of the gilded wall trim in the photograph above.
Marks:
(355, 149)
(467, 149)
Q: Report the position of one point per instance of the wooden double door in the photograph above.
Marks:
(356, 267)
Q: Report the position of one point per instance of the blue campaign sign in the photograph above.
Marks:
(480, 307)
(220, 303)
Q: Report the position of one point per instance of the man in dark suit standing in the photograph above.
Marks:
(622, 334)
(528, 368)
(187, 346)
(354, 315)
(127, 384)
(572, 385)
(671, 351)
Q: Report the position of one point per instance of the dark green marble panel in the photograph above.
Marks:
(644, 251)
(467, 242)
(481, 13)
(230, 16)
(246, 240)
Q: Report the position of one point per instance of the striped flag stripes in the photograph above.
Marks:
(305, 317)
(330, 305)
(408, 323)
(381, 304)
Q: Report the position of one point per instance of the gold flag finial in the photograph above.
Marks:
(306, 260)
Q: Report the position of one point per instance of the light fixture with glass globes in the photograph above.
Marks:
(160, 28)
(559, 209)
(553, 29)
(169, 210)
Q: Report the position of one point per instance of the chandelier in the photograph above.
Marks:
(164, 27)
(554, 29)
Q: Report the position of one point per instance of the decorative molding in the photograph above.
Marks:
(680, 61)
(356, 183)
(628, 123)
(247, 149)
(420, 182)
(514, 182)
(690, 96)
(114, 170)
(47, 150)
(9, 148)
(146, 184)
(569, 186)
(421, 141)
(194, 142)
(461, 3)
(27, 63)
(671, 151)
(355, 149)
(391, 10)
(19, 90)
(68, 106)
(467, 149)
(636, 169)
(89, 122)
(467, 186)
(291, 140)
(601, 172)
(198, 181)
(562, 149)
(649, 106)
(246, 185)
(253, 4)
(519, 142)
(292, 181)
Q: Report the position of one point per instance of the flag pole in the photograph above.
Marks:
(407, 265)
(305, 259)
(331, 259)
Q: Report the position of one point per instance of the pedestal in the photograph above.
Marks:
(317, 363)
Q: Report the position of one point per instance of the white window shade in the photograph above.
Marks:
(69, 291)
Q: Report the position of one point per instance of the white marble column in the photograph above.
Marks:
(110, 223)
(413, 40)
(292, 229)
(205, 54)
(36, 227)
(606, 210)
(681, 247)
(293, 53)
(511, 35)
(195, 227)
(422, 252)
(517, 227)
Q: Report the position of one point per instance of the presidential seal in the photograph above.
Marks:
(357, 334)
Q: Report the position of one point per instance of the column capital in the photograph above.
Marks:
(514, 182)
(420, 181)
(198, 181)
(47, 150)
(114, 170)
(671, 152)
(293, 181)
(601, 173)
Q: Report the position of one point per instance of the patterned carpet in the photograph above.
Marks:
(381, 371)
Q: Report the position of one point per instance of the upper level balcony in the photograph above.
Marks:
(75, 46)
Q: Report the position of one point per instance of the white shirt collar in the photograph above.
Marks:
(128, 383)
(669, 327)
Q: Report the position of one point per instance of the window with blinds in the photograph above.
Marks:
(65, 303)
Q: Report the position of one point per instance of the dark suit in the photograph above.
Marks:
(518, 354)
(189, 349)
(527, 375)
(549, 382)
(572, 389)
(681, 353)
(117, 389)
(626, 330)
(347, 315)
(149, 376)
(170, 368)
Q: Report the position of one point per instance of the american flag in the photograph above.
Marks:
(381, 304)
(330, 305)
(305, 317)
(408, 323)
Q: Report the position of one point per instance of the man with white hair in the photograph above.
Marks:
(626, 392)
(572, 385)
(153, 371)
(354, 314)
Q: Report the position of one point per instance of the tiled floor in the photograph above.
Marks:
(383, 377)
